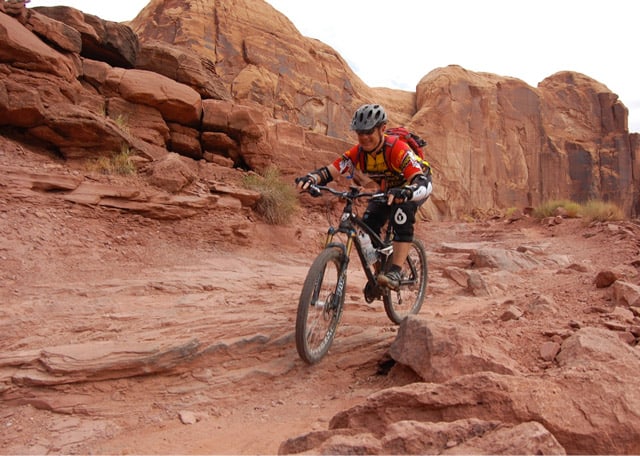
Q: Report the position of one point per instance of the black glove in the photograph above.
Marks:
(304, 182)
(308, 183)
(399, 195)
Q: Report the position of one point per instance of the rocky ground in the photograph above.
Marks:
(124, 334)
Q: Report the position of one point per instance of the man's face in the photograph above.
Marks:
(370, 139)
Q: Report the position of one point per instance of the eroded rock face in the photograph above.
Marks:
(23, 50)
(494, 142)
(102, 40)
(182, 66)
(507, 144)
(262, 58)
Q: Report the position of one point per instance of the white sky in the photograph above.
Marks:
(525, 39)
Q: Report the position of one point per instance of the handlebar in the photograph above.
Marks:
(352, 194)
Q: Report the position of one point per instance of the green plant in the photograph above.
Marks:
(601, 211)
(120, 163)
(278, 201)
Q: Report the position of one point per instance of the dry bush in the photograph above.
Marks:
(594, 210)
(279, 201)
(120, 163)
(601, 211)
(550, 208)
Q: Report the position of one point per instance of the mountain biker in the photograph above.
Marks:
(392, 164)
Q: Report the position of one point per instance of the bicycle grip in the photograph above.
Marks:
(314, 191)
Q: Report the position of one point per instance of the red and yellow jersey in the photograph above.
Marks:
(395, 165)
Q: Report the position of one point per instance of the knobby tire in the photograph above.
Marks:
(320, 306)
(409, 298)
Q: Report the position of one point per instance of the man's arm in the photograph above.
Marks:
(320, 176)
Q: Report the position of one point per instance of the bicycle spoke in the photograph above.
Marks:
(319, 308)
(409, 297)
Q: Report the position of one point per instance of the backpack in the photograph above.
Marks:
(414, 141)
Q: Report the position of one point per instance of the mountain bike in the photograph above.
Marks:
(322, 298)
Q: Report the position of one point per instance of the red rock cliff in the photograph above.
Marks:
(234, 83)
(496, 141)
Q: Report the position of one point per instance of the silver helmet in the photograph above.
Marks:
(368, 116)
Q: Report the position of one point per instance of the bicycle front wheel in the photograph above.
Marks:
(320, 306)
(407, 300)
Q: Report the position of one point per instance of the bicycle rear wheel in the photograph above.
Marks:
(408, 298)
(320, 306)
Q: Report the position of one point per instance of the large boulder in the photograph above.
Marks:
(176, 102)
(182, 66)
(108, 41)
(22, 49)
(582, 406)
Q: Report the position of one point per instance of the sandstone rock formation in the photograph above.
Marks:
(86, 87)
(495, 138)
(201, 93)
(495, 141)
(469, 384)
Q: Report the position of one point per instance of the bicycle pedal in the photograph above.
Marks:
(371, 292)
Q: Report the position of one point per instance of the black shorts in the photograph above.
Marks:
(402, 218)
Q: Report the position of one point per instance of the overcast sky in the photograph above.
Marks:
(525, 39)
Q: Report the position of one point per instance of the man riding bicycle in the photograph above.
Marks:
(393, 165)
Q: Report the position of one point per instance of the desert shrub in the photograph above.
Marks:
(549, 208)
(120, 163)
(278, 200)
(601, 211)
(594, 210)
(122, 122)
(508, 212)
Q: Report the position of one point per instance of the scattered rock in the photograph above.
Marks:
(626, 294)
(549, 350)
(187, 417)
(512, 313)
(622, 314)
(605, 279)
(578, 267)
(503, 259)
(627, 337)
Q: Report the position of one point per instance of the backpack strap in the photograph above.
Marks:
(389, 142)
(426, 167)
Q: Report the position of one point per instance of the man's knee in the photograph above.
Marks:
(403, 220)
(403, 235)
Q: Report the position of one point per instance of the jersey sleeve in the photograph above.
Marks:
(347, 162)
(405, 161)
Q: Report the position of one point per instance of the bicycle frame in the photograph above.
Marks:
(350, 222)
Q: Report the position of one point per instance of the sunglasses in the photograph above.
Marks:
(366, 132)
